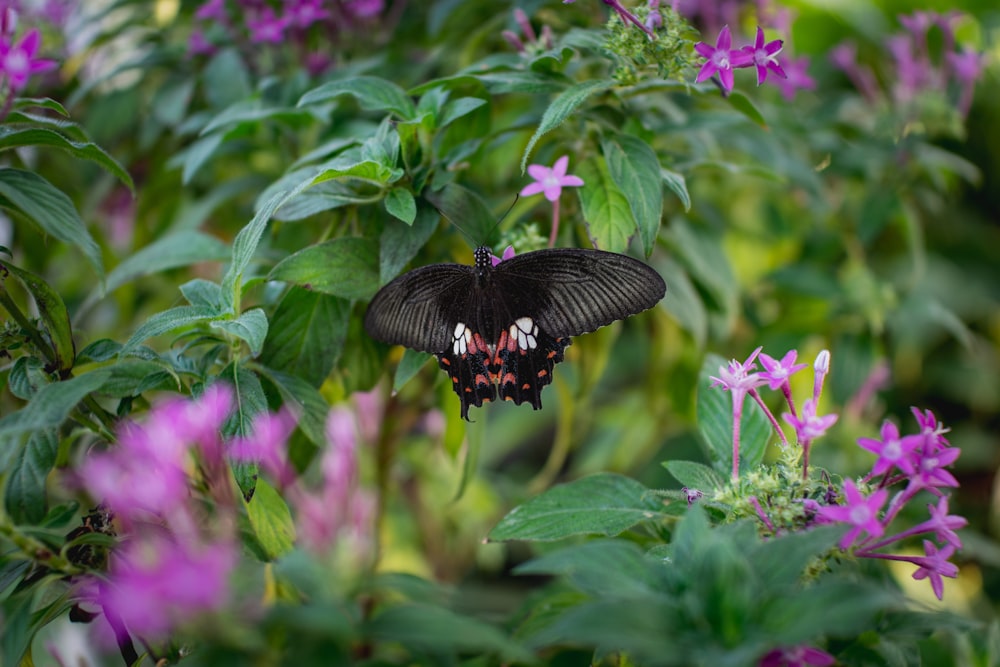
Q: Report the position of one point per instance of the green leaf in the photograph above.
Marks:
(194, 157)
(605, 208)
(306, 402)
(695, 475)
(408, 367)
(457, 108)
(604, 503)
(131, 377)
(306, 335)
(634, 168)
(50, 209)
(50, 407)
(24, 493)
(601, 567)
(367, 170)
(561, 108)
(182, 248)
(372, 94)
(250, 326)
(201, 292)
(432, 629)
(271, 520)
(166, 321)
(742, 103)
(683, 301)
(700, 251)
(678, 185)
(521, 81)
(715, 423)
(225, 79)
(15, 137)
(465, 209)
(399, 202)
(245, 243)
(51, 309)
(346, 267)
(27, 376)
(400, 243)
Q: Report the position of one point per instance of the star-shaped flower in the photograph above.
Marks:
(18, 63)
(860, 512)
(721, 58)
(550, 180)
(764, 56)
(935, 565)
(892, 450)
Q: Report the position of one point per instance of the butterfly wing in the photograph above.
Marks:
(568, 291)
(420, 308)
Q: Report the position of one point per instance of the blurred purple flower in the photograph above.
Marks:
(365, 9)
(860, 512)
(18, 62)
(212, 10)
(930, 468)
(550, 180)
(798, 656)
(267, 445)
(156, 582)
(303, 13)
(892, 450)
(720, 58)
(198, 44)
(934, 565)
(943, 524)
(932, 430)
(266, 27)
(764, 56)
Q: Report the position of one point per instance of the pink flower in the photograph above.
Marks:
(508, 252)
(932, 430)
(809, 426)
(765, 56)
(365, 9)
(777, 372)
(550, 180)
(798, 656)
(266, 27)
(860, 512)
(797, 71)
(267, 445)
(212, 10)
(303, 13)
(155, 582)
(18, 63)
(736, 376)
(943, 524)
(935, 565)
(721, 58)
(892, 450)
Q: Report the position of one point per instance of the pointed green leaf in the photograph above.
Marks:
(250, 326)
(604, 504)
(167, 321)
(52, 311)
(271, 520)
(742, 103)
(346, 267)
(201, 292)
(372, 93)
(306, 335)
(695, 475)
(368, 170)
(457, 108)
(50, 209)
(678, 185)
(408, 367)
(52, 404)
(635, 169)
(605, 208)
(561, 108)
(399, 202)
(24, 492)
(400, 243)
(27, 376)
(15, 137)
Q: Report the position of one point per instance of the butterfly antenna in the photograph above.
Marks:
(473, 242)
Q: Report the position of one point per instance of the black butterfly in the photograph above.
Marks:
(503, 328)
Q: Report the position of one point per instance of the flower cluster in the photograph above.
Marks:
(722, 59)
(225, 21)
(169, 486)
(918, 461)
(917, 71)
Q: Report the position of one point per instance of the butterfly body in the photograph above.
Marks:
(498, 331)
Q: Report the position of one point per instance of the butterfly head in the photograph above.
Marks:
(483, 257)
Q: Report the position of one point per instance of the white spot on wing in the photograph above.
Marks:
(462, 337)
(525, 324)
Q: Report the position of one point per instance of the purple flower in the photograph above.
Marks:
(213, 10)
(932, 430)
(930, 468)
(797, 72)
(860, 512)
(935, 565)
(798, 656)
(508, 252)
(303, 13)
(765, 57)
(943, 524)
(721, 58)
(155, 582)
(365, 9)
(809, 426)
(736, 376)
(892, 450)
(198, 45)
(267, 27)
(550, 180)
(776, 373)
(17, 61)
(268, 445)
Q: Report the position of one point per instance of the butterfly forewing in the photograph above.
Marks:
(499, 331)
(572, 292)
